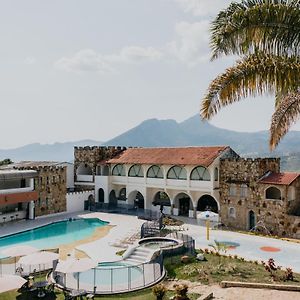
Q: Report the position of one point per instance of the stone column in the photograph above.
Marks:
(195, 212)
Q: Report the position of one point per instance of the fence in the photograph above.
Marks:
(188, 241)
(128, 209)
(114, 277)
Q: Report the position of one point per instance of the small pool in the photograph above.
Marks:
(110, 274)
(158, 243)
(53, 235)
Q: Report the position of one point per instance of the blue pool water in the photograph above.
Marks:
(115, 273)
(53, 235)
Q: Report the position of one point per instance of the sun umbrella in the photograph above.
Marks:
(73, 265)
(38, 258)
(11, 282)
(208, 215)
(20, 250)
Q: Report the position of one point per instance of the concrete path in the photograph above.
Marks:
(287, 253)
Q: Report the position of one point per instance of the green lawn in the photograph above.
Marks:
(142, 295)
(215, 269)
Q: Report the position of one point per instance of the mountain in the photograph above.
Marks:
(36, 151)
(194, 132)
(162, 133)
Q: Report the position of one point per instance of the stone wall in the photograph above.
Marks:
(94, 156)
(52, 188)
(241, 193)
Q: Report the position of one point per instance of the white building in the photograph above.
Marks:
(184, 180)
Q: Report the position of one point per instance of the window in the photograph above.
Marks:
(177, 172)
(232, 190)
(216, 174)
(136, 171)
(244, 191)
(118, 170)
(155, 172)
(200, 173)
(231, 212)
(273, 193)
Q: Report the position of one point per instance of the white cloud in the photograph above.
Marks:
(203, 7)
(88, 60)
(30, 60)
(191, 45)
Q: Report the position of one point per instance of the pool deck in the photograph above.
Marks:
(251, 247)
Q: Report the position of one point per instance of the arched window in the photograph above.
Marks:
(200, 173)
(273, 193)
(84, 169)
(122, 194)
(216, 174)
(155, 172)
(118, 170)
(231, 212)
(177, 172)
(136, 171)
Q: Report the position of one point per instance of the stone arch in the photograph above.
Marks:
(161, 198)
(200, 173)
(183, 202)
(136, 198)
(273, 192)
(177, 172)
(208, 202)
(84, 169)
(101, 195)
(113, 201)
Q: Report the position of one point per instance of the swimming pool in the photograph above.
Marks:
(111, 274)
(53, 235)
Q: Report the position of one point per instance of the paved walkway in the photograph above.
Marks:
(287, 253)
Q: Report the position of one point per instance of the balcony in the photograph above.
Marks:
(84, 178)
(16, 190)
(6, 199)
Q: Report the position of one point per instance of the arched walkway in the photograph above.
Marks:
(137, 199)
(161, 198)
(101, 195)
(183, 203)
(207, 202)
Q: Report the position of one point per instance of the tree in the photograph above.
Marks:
(6, 161)
(265, 34)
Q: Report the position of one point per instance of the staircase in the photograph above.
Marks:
(138, 255)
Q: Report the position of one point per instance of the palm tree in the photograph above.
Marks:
(265, 34)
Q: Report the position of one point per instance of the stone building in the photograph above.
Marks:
(50, 185)
(254, 194)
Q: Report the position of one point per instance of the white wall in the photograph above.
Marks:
(75, 200)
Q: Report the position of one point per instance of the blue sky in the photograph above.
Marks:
(78, 69)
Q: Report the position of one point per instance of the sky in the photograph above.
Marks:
(78, 69)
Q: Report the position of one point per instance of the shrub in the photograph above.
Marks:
(159, 291)
(289, 275)
(181, 292)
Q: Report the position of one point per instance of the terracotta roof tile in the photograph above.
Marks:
(285, 178)
(169, 156)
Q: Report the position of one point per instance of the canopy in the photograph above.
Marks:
(208, 215)
(11, 282)
(19, 250)
(73, 265)
(43, 257)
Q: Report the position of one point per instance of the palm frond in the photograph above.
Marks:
(271, 26)
(254, 75)
(286, 114)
